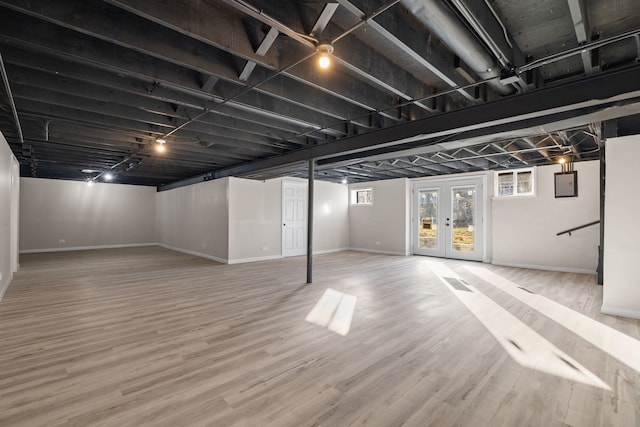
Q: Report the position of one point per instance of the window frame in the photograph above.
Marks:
(514, 183)
(354, 196)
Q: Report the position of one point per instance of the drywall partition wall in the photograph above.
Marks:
(195, 219)
(255, 218)
(330, 217)
(381, 227)
(8, 222)
(67, 215)
(255, 229)
(524, 228)
(621, 290)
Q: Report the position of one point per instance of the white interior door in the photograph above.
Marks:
(294, 218)
(447, 219)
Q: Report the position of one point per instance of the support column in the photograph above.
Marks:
(609, 129)
(602, 196)
(310, 221)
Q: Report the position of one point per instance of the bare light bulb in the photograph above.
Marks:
(108, 176)
(325, 50)
(90, 183)
(160, 148)
(562, 160)
(324, 61)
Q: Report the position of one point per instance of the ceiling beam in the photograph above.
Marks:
(193, 49)
(582, 100)
(181, 70)
(323, 20)
(265, 44)
(80, 115)
(263, 122)
(123, 111)
(582, 30)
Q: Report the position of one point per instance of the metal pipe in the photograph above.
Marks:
(5, 79)
(310, 221)
(576, 51)
(442, 22)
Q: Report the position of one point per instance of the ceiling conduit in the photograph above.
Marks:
(443, 22)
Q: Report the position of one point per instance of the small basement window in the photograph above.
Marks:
(362, 196)
(517, 182)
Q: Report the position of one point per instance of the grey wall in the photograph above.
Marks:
(9, 188)
(330, 217)
(255, 217)
(383, 226)
(63, 215)
(195, 219)
(524, 228)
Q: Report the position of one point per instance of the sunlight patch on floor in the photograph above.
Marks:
(334, 311)
(522, 343)
(613, 342)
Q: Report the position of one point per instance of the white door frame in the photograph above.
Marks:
(14, 216)
(445, 245)
(298, 230)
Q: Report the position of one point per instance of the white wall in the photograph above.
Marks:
(254, 219)
(621, 293)
(383, 226)
(524, 228)
(8, 208)
(64, 215)
(330, 217)
(195, 219)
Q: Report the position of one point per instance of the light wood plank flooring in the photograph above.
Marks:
(147, 336)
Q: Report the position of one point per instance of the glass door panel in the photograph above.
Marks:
(462, 215)
(428, 219)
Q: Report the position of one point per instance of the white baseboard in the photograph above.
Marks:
(272, 257)
(194, 253)
(545, 267)
(376, 251)
(4, 285)
(622, 312)
(330, 251)
(255, 259)
(85, 248)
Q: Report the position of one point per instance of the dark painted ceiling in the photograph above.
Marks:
(415, 88)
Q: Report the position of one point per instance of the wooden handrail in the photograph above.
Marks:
(569, 231)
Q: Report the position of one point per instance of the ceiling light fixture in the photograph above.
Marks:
(344, 180)
(160, 148)
(90, 182)
(325, 50)
(108, 176)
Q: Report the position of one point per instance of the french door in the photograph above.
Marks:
(447, 219)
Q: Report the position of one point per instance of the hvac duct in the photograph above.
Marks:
(445, 24)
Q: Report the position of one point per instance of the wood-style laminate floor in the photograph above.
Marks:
(147, 336)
